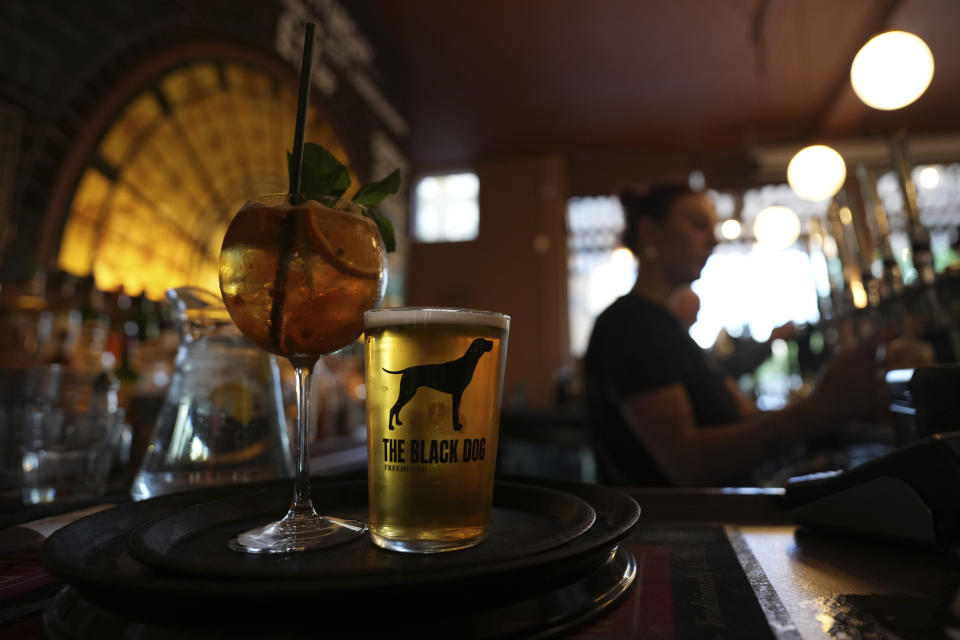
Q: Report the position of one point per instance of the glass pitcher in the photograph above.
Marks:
(222, 420)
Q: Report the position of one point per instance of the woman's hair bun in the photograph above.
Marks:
(655, 202)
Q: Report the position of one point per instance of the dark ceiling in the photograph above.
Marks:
(506, 77)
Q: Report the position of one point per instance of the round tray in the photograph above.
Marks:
(93, 555)
(557, 612)
(526, 520)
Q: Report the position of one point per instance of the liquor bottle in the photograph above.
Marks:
(22, 326)
(88, 355)
(147, 319)
(124, 343)
(67, 318)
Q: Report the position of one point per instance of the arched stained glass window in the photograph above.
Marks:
(151, 206)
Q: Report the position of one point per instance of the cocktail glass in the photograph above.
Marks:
(296, 279)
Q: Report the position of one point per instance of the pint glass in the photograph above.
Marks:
(434, 380)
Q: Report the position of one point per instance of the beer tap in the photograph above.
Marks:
(816, 241)
(890, 279)
(853, 217)
(845, 297)
(933, 323)
(815, 341)
(920, 252)
(874, 255)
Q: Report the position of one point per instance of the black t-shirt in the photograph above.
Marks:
(638, 346)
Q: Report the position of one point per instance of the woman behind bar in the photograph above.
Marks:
(660, 412)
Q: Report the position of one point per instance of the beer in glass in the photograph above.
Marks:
(434, 381)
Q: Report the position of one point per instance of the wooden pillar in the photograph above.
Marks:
(517, 265)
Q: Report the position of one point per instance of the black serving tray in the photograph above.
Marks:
(103, 559)
(565, 608)
(526, 520)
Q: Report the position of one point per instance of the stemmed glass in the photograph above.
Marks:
(296, 275)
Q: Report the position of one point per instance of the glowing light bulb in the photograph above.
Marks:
(623, 258)
(730, 229)
(892, 70)
(816, 172)
(929, 178)
(776, 227)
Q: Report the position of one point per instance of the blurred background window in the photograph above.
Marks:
(447, 208)
(743, 287)
(601, 269)
(749, 290)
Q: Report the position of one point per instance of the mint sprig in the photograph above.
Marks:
(323, 175)
(373, 193)
(386, 230)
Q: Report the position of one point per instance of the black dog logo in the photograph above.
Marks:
(449, 377)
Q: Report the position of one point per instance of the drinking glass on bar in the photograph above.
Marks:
(434, 385)
(296, 278)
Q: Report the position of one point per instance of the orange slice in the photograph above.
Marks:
(350, 242)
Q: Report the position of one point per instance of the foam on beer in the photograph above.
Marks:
(431, 315)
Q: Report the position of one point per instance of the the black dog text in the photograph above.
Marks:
(434, 451)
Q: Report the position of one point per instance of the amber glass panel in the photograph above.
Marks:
(180, 175)
(79, 236)
(135, 122)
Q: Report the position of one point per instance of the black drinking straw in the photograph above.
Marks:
(289, 226)
(302, 100)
